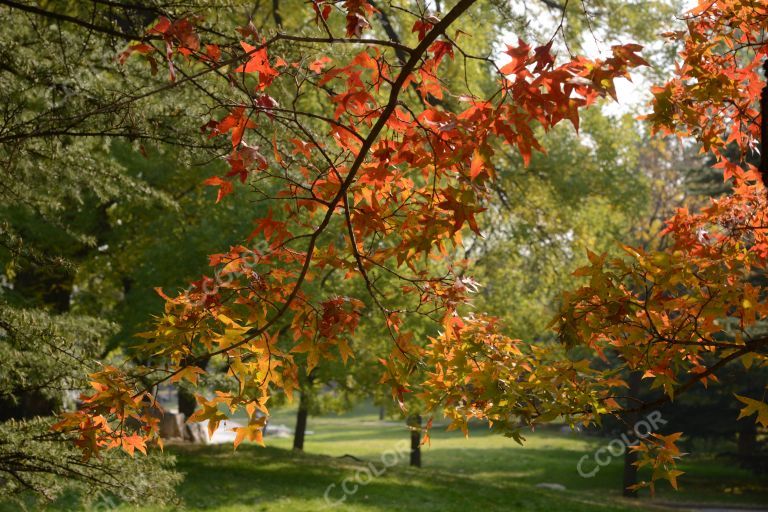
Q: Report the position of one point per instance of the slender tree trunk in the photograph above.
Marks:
(630, 473)
(747, 443)
(415, 425)
(303, 412)
(276, 13)
(301, 423)
(381, 413)
(630, 457)
(187, 402)
(186, 398)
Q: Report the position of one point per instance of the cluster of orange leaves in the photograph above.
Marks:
(680, 313)
(389, 188)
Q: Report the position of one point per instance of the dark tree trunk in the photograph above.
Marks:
(186, 398)
(747, 445)
(30, 404)
(303, 412)
(187, 402)
(630, 457)
(276, 13)
(630, 473)
(301, 423)
(415, 426)
(381, 413)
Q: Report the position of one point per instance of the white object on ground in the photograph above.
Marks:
(551, 486)
(224, 433)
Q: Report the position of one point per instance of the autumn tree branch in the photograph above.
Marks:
(415, 57)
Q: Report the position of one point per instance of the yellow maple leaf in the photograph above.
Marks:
(754, 407)
(190, 373)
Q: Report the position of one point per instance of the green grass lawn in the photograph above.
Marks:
(483, 473)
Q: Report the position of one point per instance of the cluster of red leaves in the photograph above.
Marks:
(179, 37)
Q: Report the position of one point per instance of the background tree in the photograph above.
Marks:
(96, 207)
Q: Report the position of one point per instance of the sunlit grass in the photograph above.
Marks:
(484, 472)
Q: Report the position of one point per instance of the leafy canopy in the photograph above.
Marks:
(373, 165)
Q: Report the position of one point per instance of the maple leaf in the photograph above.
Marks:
(133, 442)
(462, 212)
(267, 226)
(243, 159)
(344, 350)
(184, 31)
(672, 475)
(140, 48)
(753, 406)
(702, 7)
(319, 64)
(213, 52)
(321, 14)
(253, 432)
(267, 103)
(190, 373)
(440, 49)
(301, 147)
(628, 54)
(248, 30)
(543, 57)
(357, 10)
(236, 122)
(258, 62)
(225, 187)
(210, 412)
(422, 27)
(520, 55)
(161, 27)
(477, 165)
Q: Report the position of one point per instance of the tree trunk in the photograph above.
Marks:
(301, 423)
(381, 413)
(747, 446)
(630, 473)
(415, 426)
(185, 397)
(30, 404)
(630, 457)
(303, 412)
(276, 13)
(187, 402)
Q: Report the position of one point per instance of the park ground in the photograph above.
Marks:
(484, 473)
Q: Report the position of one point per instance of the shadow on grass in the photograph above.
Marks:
(551, 461)
(274, 479)
(703, 480)
(458, 476)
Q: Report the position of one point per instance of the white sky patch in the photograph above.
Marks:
(633, 96)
